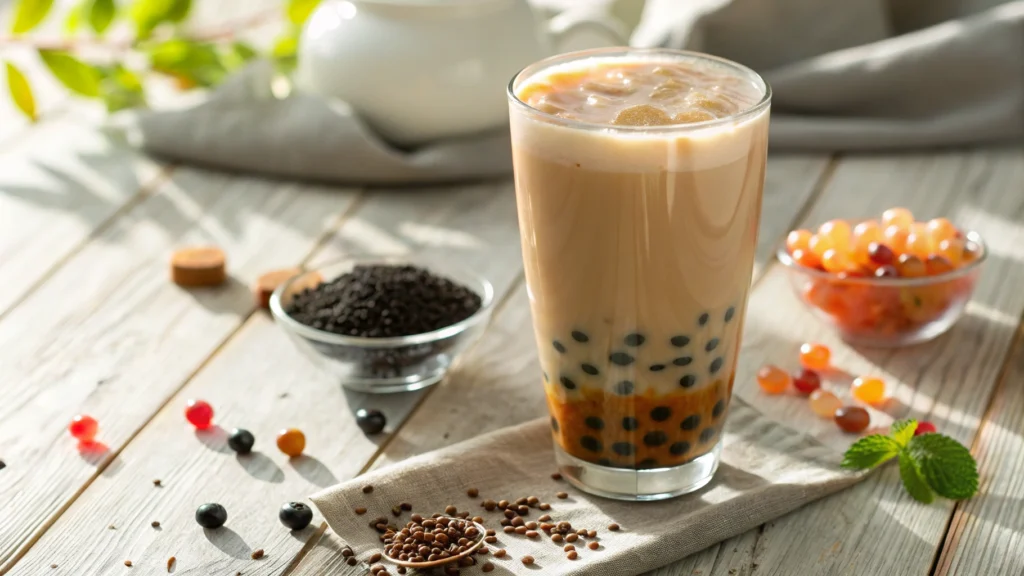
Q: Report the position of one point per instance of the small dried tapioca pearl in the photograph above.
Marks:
(806, 258)
(824, 403)
(807, 381)
(819, 244)
(199, 414)
(852, 419)
(836, 261)
(815, 356)
(83, 428)
(870, 390)
(919, 241)
(925, 427)
(642, 115)
(896, 238)
(900, 217)
(911, 266)
(864, 235)
(291, 441)
(880, 255)
(941, 229)
(936, 265)
(772, 379)
(952, 249)
(838, 233)
(798, 240)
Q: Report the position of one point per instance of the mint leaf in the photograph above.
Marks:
(29, 13)
(148, 14)
(21, 91)
(101, 14)
(913, 481)
(947, 466)
(903, 430)
(197, 62)
(74, 74)
(299, 10)
(870, 451)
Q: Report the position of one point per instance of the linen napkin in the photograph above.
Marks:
(767, 470)
(846, 75)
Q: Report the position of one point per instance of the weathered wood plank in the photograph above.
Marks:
(107, 334)
(259, 381)
(503, 366)
(986, 535)
(875, 527)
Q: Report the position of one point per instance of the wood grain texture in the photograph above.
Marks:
(259, 381)
(875, 527)
(108, 335)
(496, 384)
(986, 535)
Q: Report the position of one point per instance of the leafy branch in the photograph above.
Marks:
(200, 58)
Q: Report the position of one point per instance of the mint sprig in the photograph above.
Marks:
(930, 464)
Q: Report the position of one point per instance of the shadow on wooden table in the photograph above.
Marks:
(228, 541)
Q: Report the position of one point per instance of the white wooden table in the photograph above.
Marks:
(89, 323)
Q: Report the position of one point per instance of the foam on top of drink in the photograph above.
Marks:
(630, 93)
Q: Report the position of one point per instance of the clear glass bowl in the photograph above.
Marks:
(887, 312)
(384, 365)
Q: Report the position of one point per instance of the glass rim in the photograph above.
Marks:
(534, 68)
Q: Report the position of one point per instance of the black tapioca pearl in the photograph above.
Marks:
(567, 382)
(558, 346)
(604, 462)
(554, 424)
(634, 339)
(703, 319)
(691, 422)
(707, 435)
(661, 413)
(621, 359)
(679, 448)
(716, 365)
(729, 313)
(624, 388)
(591, 443)
(593, 422)
(711, 345)
(657, 367)
(589, 369)
(629, 423)
(688, 381)
(623, 448)
(680, 341)
(580, 337)
(682, 361)
(647, 464)
(718, 409)
(655, 438)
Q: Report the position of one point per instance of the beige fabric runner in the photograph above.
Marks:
(767, 470)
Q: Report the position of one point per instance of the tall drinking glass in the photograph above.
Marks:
(638, 181)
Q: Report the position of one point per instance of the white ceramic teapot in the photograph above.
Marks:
(423, 70)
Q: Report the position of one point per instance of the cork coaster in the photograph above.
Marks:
(268, 282)
(198, 266)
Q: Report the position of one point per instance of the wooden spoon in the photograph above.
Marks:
(450, 559)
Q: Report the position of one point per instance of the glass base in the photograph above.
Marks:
(638, 485)
(393, 385)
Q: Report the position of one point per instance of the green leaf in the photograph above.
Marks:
(236, 54)
(947, 466)
(101, 14)
(73, 20)
(903, 430)
(121, 88)
(21, 91)
(148, 14)
(75, 75)
(29, 13)
(196, 62)
(913, 481)
(285, 51)
(869, 452)
(299, 10)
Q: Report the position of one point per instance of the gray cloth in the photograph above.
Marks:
(846, 75)
(767, 471)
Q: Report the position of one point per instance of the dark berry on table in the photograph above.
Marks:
(580, 336)
(241, 440)
(621, 358)
(371, 421)
(634, 339)
(295, 515)
(680, 341)
(589, 369)
(211, 515)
